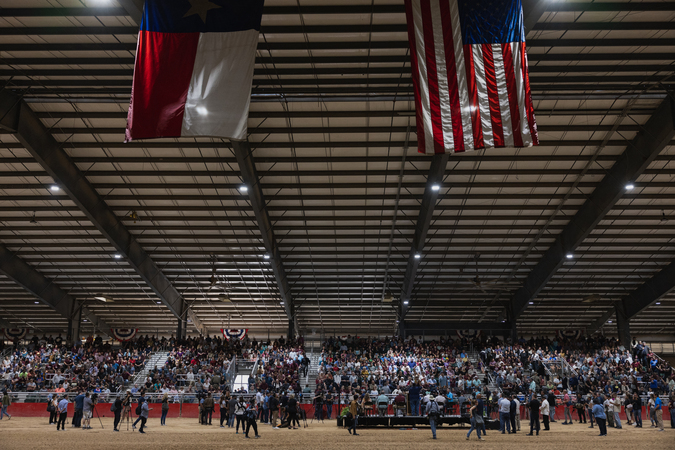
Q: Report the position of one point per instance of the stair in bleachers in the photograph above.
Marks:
(156, 359)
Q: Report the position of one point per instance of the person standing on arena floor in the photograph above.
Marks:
(671, 407)
(6, 401)
(274, 410)
(231, 406)
(637, 410)
(658, 412)
(63, 413)
(545, 412)
(251, 415)
(52, 407)
(87, 406)
(141, 399)
(591, 403)
(581, 410)
(513, 412)
(551, 405)
(534, 406)
(414, 396)
(433, 413)
(208, 406)
(117, 406)
(504, 415)
(330, 397)
(292, 412)
(480, 409)
(223, 410)
(600, 417)
(354, 411)
(145, 411)
(240, 414)
(567, 401)
(77, 416)
(615, 406)
(165, 409)
(476, 418)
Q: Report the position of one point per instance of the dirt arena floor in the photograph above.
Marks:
(35, 433)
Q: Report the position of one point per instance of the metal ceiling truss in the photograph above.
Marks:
(46, 290)
(17, 117)
(641, 151)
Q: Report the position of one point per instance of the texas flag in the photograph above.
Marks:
(194, 68)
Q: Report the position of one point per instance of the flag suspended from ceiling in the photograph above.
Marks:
(470, 75)
(194, 68)
(124, 334)
(234, 334)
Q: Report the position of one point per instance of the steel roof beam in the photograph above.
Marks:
(424, 218)
(644, 296)
(17, 116)
(243, 153)
(642, 150)
(412, 327)
(46, 290)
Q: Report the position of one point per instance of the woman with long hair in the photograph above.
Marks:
(165, 408)
(475, 418)
(292, 412)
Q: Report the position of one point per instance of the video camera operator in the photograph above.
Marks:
(126, 405)
(87, 409)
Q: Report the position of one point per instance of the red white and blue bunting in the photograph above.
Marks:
(569, 334)
(234, 334)
(468, 333)
(124, 334)
(15, 333)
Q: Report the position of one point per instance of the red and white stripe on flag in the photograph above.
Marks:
(467, 96)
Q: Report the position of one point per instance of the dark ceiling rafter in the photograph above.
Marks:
(17, 117)
(424, 218)
(47, 291)
(641, 151)
(244, 155)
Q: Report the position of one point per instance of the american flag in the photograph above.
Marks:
(469, 71)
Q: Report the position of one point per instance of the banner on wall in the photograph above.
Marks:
(234, 334)
(569, 334)
(15, 333)
(468, 333)
(124, 334)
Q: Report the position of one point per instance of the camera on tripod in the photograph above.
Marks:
(94, 397)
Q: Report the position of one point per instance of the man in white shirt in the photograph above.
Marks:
(504, 412)
(545, 410)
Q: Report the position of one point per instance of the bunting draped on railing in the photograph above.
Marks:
(15, 333)
(569, 334)
(234, 334)
(468, 333)
(124, 334)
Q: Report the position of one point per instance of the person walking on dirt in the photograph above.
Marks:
(6, 401)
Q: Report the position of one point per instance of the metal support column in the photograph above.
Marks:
(623, 325)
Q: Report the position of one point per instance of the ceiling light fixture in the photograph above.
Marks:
(118, 256)
(55, 188)
(435, 187)
(630, 186)
(609, 321)
(405, 302)
(267, 256)
(243, 188)
(39, 302)
(658, 303)
(531, 303)
(417, 256)
(103, 299)
(570, 256)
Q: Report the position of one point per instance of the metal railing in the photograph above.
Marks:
(231, 372)
(665, 348)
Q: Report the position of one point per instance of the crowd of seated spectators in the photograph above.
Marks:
(48, 364)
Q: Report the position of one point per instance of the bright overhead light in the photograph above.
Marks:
(84, 320)
(405, 302)
(39, 302)
(417, 256)
(282, 303)
(159, 303)
(202, 111)
(243, 188)
(118, 256)
(267, 256)
(658, 303)
(55, 188)
(630, 186)
(570, 256)
(531, 303)
(609, 321)
(435, 187)
(103, 299)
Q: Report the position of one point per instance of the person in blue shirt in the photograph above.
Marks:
(79, 404)
(414, 396)
(600, 417)
(63, 413)
(658, 411)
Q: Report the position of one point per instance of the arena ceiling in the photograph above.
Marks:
(340, 192)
